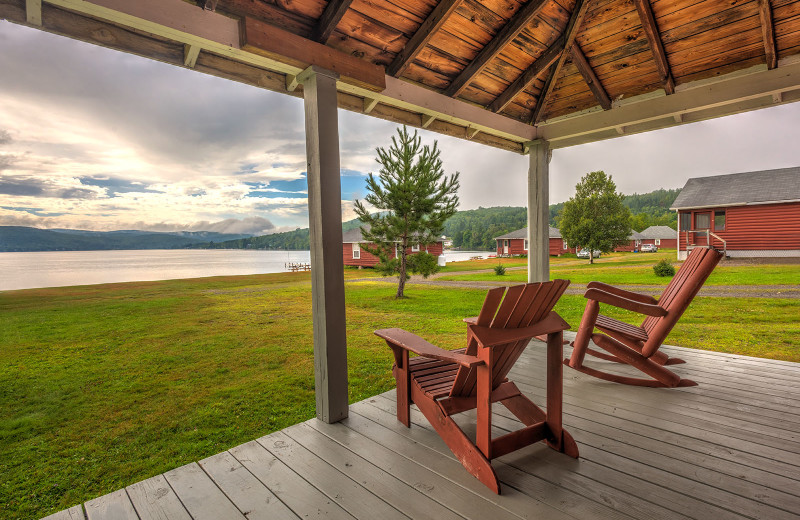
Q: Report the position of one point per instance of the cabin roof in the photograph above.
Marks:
(736, 189)
(354, 236)
(523, 233)
(660, 232)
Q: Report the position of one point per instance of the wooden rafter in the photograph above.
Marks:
(768, 33)
(570, 32)
(503, 37)
(541, 64)
(330, 18)
(656, 45)
(579, 59)
(423, 35)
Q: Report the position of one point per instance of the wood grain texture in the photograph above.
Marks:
(113, 506)
(154, 499)
(422, 36)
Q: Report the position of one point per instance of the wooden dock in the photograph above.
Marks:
(728, 448)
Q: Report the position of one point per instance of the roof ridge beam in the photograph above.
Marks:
(330, 18)
(416, 43)
(579, 60)
(503, 37)
(545, 60)
(768, 33)
(570, 32)
(656, 45)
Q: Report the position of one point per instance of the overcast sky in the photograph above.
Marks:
(92, 138)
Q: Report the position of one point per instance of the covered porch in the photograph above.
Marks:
(728, 448)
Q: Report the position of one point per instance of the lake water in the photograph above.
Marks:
(63, 268)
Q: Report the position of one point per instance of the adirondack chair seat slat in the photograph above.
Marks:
(638, 346)
(449, 382)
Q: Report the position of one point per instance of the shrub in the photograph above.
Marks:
(664, 268)
(499, 270)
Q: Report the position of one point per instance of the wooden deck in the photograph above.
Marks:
(729, 448)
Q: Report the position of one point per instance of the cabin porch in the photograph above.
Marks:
(728, 448)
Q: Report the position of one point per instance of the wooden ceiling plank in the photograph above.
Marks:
(330, 18)
(570, 32)
(503, 37)
(656, 45)
(416, 43)
(768, 33)
(588, 74)
(265, 40)
(541, 64)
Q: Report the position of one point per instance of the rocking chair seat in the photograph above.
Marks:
(612, 326)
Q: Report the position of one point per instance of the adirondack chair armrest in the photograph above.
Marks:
(647, 309)
(643, 298)
(489, 337)
(471, 321)
(399, 338)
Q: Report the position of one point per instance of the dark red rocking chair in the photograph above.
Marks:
(443, 383)
(638, 346)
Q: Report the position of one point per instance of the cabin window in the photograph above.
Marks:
(395, 252)
(565, 245)
(702, 221)
(719, 220)
(415, 248)
(658, 241)
(356, 251)
(686, 221)
(525, 246)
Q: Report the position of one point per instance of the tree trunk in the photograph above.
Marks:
(402, 283)
(591, 256)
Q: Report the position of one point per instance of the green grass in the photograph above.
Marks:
(103, 386)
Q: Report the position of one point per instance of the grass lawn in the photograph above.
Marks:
(103, 386)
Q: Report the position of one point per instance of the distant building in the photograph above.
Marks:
(662, 236)
(516, 243)
(633, 243)
(353, 252)
(757, 214)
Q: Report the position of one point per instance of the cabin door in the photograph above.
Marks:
(702, 222)
(505, 247)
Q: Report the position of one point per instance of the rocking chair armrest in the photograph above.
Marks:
(399, 338)
(647, 309)
(642, 298)
(489, 337)
(471, 321)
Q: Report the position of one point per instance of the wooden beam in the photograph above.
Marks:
(369, 104)
(541, 64)
(503, 37)
(656, 45)
(427, 119)
(325, 234)
(570, 32)
(33, 12)
(416, 43)
(330, 18)
(210, 5)
(190, 54)
(538, 110)
(579, 59)
(267, 40)
(472, 132)
(768, 33)
(292, 82)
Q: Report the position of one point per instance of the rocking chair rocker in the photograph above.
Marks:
(443, 383)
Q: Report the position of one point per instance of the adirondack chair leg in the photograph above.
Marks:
(402, 376)
(462, 447)
(585, 330)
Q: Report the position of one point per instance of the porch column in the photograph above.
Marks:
(539, 211)
(325, 230)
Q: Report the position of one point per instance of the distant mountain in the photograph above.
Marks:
(18, 238)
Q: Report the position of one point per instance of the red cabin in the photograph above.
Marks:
(354, 254)
(662, 236)
(751, 214)
(516, 243)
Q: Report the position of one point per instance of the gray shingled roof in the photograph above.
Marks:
(659, 232)
(355, 236)
(740, 189)
(523, 233)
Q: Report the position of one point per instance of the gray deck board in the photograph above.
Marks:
(726, 449)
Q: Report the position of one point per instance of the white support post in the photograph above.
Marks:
(539, 212)
(325, 229)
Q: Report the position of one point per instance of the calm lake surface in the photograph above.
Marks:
(63, 268)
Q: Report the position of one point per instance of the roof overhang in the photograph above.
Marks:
(737, 204)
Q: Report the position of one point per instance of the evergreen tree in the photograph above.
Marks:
(414, 198)
(595, 217)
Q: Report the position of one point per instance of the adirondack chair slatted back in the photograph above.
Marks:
(523, 305)
(678, 295)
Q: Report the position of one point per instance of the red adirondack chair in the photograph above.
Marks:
(443, 383)
(638, 346)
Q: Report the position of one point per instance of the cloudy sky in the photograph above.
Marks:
(96, 139)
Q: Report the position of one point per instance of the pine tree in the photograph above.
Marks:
(414, 198)
(595, 217)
